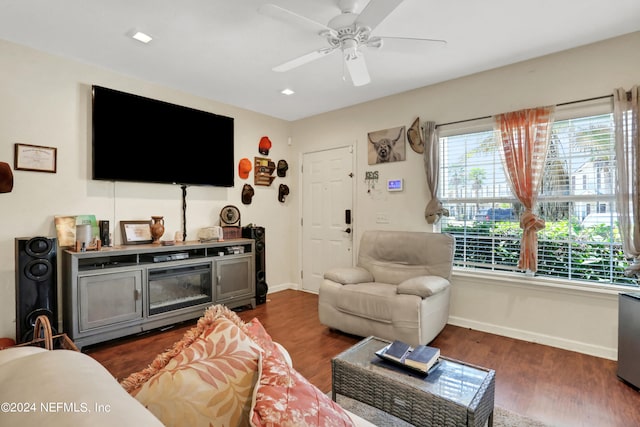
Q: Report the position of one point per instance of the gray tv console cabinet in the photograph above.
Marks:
(125, 290)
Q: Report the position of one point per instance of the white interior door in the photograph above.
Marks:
(327, 182)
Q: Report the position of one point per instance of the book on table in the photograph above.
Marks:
(421, 358)
(397, 351)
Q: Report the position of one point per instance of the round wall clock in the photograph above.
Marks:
(230, 216)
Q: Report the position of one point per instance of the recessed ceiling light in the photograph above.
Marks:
(142, 37)
(287, 92)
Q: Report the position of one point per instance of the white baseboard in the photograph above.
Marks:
(581, 347)
(282, 287)
(571, 345)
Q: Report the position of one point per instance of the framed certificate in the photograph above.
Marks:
(135, 232)
(35, 158)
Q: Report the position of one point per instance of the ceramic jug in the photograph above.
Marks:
(157, 228)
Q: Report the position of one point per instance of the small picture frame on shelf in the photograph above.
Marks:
(35, 158)
(135, 232)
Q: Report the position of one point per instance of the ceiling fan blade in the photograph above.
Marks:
(357, 67)
(419, 39)
(286, 15)
(304, 59)
(375, 12)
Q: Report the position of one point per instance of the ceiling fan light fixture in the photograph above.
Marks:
(287, 91)
(350, 49)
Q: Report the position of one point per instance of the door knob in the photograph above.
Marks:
(348, 230)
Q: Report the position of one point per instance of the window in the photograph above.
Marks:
(581, 240)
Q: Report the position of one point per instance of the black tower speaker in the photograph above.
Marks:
(257, 234)
(36, 289)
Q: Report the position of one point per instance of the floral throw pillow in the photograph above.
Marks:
(285, 398)
(206, 379)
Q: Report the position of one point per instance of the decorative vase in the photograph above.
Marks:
(157, 228)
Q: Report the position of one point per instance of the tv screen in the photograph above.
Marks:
(145, 140)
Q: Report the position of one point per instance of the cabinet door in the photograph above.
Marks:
(234, 278)
(110, 298)
(629, 337)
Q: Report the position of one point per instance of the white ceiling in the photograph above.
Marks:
(225, 49)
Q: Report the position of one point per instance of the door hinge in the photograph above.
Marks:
(301, 274)
(301, 222)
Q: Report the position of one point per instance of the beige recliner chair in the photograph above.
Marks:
(399, 289)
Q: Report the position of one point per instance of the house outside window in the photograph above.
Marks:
(581, 240)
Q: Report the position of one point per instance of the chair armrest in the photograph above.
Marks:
(423, 286)
(349, 275)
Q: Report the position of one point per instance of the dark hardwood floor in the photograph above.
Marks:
(559, 387)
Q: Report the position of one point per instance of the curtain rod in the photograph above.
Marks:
(557, 105)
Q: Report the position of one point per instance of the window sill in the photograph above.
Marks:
(538, 283)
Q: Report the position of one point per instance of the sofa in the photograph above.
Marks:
(398, 290)
(222, 372)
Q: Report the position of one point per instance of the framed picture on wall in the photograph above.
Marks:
(387, 145)
(35, 158)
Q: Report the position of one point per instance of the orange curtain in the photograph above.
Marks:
(523, 140)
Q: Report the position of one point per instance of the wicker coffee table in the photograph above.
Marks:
(453, 394)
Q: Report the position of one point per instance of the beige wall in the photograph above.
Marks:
(45, 100)
(575, 319)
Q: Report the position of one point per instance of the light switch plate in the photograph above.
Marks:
(382, 218)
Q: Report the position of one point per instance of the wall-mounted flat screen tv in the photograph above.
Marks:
(140, 139)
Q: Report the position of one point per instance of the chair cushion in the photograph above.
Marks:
(395, 256)
(423, 286)
(369, 300)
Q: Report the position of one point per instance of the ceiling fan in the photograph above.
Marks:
(348, 32)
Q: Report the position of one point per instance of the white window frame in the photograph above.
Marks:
(563, 112)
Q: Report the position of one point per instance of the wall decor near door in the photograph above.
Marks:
(263, 171)
(283, 191)
(387, 145)
(414, 135)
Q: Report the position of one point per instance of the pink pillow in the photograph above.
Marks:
(283, 397)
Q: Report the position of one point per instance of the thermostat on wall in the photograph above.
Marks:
(395, 184)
